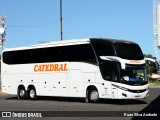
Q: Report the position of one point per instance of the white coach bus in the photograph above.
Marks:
(89, 68)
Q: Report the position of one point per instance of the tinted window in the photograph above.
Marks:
(109, 70)
(83, 53)
(128, 51)
(103, 49)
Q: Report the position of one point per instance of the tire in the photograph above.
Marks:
(22, 93)
(32, 93)
(93, 96)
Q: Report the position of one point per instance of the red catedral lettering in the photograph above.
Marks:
(50, 67)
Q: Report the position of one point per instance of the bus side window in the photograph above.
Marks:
(109, 70)
(114, 71)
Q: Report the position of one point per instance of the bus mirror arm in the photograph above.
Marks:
(115, 59)
(109, 58)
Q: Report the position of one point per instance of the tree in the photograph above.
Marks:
(148, 56)
(151, 66)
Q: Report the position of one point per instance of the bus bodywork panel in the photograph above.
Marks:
(72, 68)
(70, 83)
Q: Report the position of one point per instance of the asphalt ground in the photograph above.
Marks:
(70, 108)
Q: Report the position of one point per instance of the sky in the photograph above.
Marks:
(31, 22)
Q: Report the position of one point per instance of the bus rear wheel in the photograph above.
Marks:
(93, 96)
(22, 94)
(32, 93)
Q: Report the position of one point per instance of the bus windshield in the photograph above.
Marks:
(133, 76)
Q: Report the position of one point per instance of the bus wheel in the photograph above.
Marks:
(93, 96)
(22, 94)
(32, 93)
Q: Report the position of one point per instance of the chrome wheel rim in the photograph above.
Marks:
(94, 95)
(22, 93)
(32, 93)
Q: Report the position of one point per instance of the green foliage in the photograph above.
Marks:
(151, 68)
(148, 56)
(157, 82)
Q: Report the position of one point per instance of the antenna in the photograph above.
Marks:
(2, 31)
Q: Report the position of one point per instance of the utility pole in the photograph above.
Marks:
(61, 29)
(2, 31)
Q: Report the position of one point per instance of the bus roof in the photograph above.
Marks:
(112, 40)
(68, 42)
(51, 44)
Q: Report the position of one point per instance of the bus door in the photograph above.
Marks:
(114, 90)
(75, 83)
(114, 78)
(110, 73)
(110, 89)
(106, 89)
